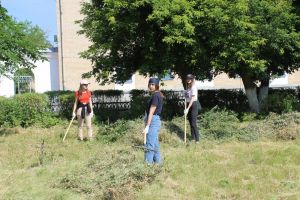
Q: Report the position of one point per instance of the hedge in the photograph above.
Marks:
(26, 110)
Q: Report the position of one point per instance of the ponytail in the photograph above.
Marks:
(157, 89)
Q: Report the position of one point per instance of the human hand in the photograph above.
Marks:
(92, 114)
(146, 130)
(73, 115)
(186, 111)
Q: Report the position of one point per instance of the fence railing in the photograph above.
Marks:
(234, 99)
(118, 102)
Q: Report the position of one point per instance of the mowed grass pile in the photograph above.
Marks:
(238, 158)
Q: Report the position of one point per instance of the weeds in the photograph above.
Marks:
(109, 168)
(112, 132)
(111, 176)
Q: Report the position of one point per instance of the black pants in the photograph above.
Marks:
(192, 117)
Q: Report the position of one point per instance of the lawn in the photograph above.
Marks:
(36, 164)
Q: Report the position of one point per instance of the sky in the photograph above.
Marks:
(38, 12)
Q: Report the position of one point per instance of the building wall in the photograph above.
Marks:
(45, 77)
(71, 66)
(294, 78)
(42, 76)
(222, 81)
(6, 87)
(54, 71)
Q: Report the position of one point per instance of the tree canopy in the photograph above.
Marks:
(21, 44)
(149, 36)
(255, 39)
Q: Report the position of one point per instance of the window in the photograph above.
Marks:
(24, 81)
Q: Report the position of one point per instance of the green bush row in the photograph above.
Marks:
(35, 109)
(26, 110)
(278, 101)
(282, 101)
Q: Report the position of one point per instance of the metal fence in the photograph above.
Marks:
(119, 102)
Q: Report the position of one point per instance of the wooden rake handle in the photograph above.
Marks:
(68, 128)
(184, 120)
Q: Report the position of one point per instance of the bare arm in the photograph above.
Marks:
(75, 105)
(91, 104)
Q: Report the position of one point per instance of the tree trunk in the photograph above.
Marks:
(263, 90)
(183, 81)
(251, 88)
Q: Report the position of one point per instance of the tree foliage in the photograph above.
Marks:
(256, 39)
(149, 36)
(21, 44)
(252, 38)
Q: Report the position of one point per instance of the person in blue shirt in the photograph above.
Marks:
(153, 123)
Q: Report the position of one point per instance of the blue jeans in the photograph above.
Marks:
(152, 152)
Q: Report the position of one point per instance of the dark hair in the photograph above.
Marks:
(190, 77)
(157, 89)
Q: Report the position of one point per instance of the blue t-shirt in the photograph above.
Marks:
(156, 100)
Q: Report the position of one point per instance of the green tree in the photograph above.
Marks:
(149, 36)
(256, 40)
(21, 44)
(296, 4)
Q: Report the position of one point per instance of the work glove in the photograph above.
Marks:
(186, 111)
(73, 115)
(146, 130)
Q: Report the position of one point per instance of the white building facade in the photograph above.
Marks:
(45, 76)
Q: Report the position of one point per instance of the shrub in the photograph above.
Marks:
(66, 103)
(112, 132)
(173, 105)
(9, 113)
(108, 93)
(138, 103)
(62, 102)
(235, 100)
(285, 126)
(280, 102)
(219, 124)
(105, 108)
(26, 110)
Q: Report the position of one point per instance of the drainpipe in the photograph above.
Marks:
(61, 46)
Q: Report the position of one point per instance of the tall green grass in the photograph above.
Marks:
(252, 159)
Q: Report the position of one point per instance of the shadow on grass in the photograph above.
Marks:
(173, 128)
(9, 131)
